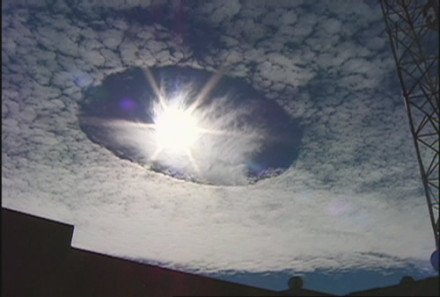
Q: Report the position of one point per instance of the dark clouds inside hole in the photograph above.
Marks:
(129, 97)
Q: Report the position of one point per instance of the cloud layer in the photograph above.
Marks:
(352, 199)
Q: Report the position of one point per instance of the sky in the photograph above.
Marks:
(242, 137)
(346, 209)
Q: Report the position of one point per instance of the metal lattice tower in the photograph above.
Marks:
(413, 30)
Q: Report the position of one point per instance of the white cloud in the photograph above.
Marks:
(218, 12)
(352, 196)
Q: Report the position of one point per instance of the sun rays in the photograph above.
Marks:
(190, 124)
(175, 131)
(172, 135)
(176, 126)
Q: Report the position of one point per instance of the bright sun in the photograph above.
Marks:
(175, 126)
(176, 129)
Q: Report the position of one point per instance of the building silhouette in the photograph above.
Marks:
(37, 260)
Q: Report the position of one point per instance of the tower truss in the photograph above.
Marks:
(413, 28)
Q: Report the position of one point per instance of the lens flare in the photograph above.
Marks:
(176, 129)
(191, 124)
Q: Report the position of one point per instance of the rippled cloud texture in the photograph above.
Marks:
(352, 199)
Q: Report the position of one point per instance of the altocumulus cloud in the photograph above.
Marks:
(352, 198)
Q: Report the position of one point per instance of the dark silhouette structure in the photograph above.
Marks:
(37, 260)
(413, 28)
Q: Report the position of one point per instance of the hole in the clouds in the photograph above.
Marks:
(241, 137)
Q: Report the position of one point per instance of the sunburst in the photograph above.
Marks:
(175, 131)
(176, 126)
